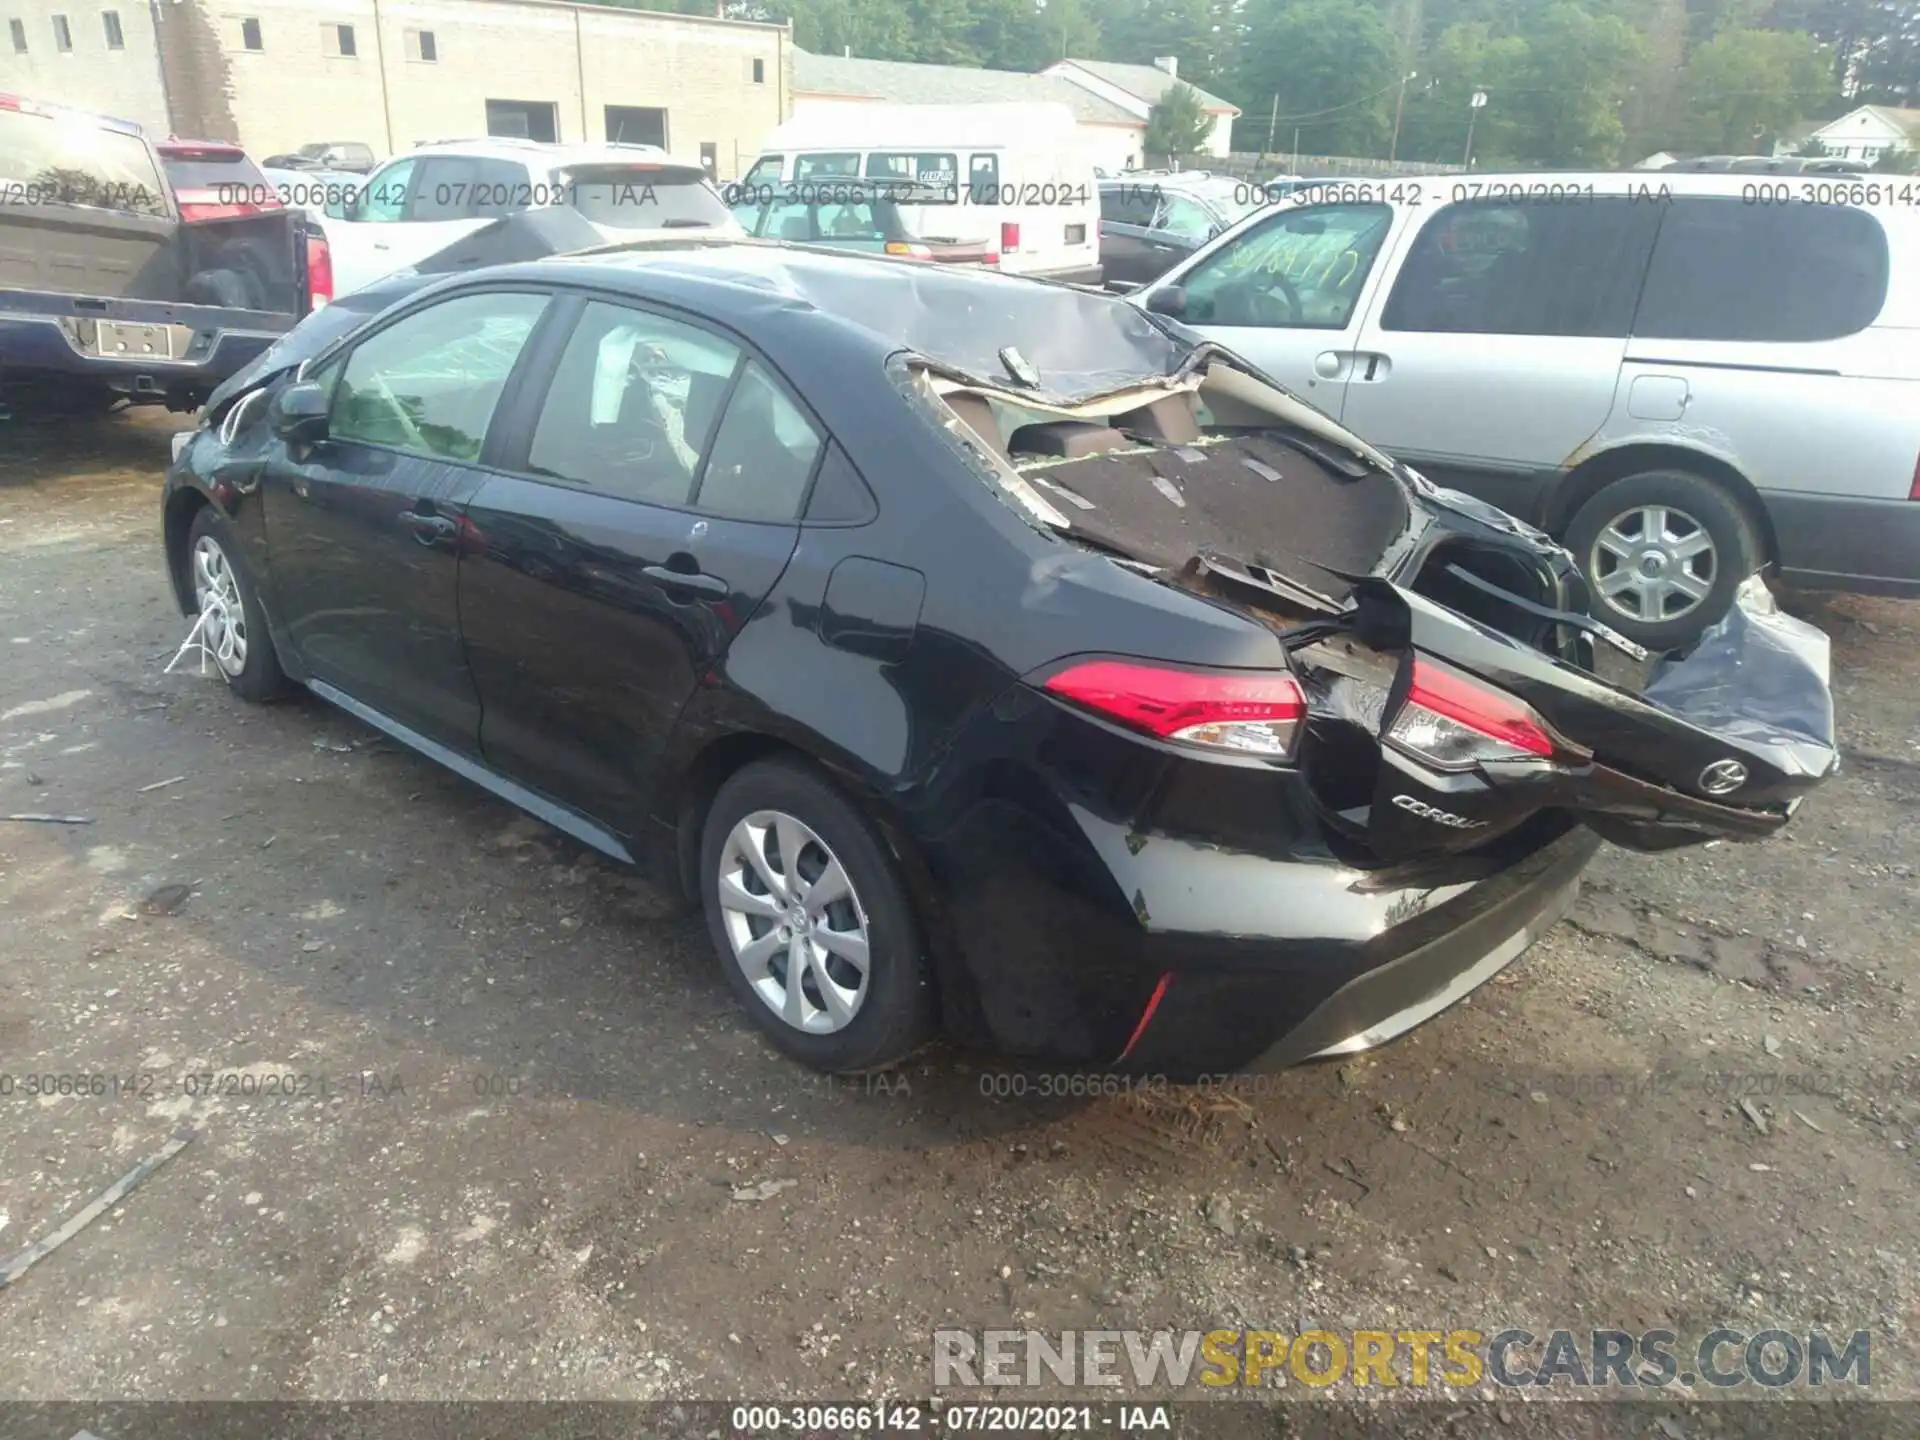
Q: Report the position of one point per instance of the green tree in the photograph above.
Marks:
(1203, 35)
(1330, 67)
(1745, 85)
(1179, 124)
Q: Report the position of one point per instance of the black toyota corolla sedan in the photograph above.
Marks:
(982, 654)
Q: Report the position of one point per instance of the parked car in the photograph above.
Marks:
(313, 190)
(862, 215)
(1150, 220)
(910, 618)
(1686, 377)
(348, 155)
(1015, 175)
(130, 271)
(422, 201)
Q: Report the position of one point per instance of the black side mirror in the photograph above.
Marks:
(299, 414)
(1170, 301)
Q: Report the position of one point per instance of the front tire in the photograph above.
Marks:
(1663, 552)
(236, 626)
(811, 923)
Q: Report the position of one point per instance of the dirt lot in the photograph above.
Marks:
(514, 1164)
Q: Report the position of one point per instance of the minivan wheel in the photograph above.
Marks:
(1663, 552)
(810, 921)
(235, 628)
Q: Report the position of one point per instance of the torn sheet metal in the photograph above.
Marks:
(1758, 676)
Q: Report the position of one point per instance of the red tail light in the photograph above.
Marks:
(1248, 712)
(992, 257)
(1009, 237)
(1452, 721)
(319, 271)
(236, 202)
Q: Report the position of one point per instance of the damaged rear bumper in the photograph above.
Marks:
(1247, 1016)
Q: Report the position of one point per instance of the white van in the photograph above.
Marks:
(1020, 181)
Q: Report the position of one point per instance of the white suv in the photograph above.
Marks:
(1686, 377)
(416, 204)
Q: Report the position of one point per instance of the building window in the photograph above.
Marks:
(421, 47)
(19, 29)
(110, 22)
(250, 34)
(337, 40)
(62, 34)
(524, 119)
(759, 72)
(637, 125)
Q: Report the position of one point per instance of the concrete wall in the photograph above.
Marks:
(299, 87)
(122, 82)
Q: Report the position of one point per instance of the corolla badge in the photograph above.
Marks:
(1435, 813)
(1723, 777)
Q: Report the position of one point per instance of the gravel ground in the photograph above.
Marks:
(527, 1147)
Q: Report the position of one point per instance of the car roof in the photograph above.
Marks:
(540, 152)
(1082, 342)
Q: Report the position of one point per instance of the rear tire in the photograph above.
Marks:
(242, 646)
(1663, 552)
(848, 905)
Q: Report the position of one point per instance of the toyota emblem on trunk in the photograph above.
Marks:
(1723, 777)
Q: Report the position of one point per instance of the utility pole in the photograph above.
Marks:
(1473, 113)
(1393, 151)
(1273, 120)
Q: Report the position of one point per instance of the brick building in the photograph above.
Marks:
(275, 74)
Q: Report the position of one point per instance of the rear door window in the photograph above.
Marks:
(762, 457)
(1520, 268)
(468, 187)
(1129, 204)
(1303, 269)
(46, 159)
(1727, 270)
(632, 404)
(639, 197)
(429, 383)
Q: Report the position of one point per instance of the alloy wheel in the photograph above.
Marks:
(217, 592)
(1653, 563)
(796, 927)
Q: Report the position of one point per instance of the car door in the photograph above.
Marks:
(360, 227)
(1496, 354)
(364, 528)
(1181, 225)
(657, 483)
(1289, 291)
(1126, 216)
(449, 197)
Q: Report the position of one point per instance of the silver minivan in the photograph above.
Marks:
(1685, 378)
